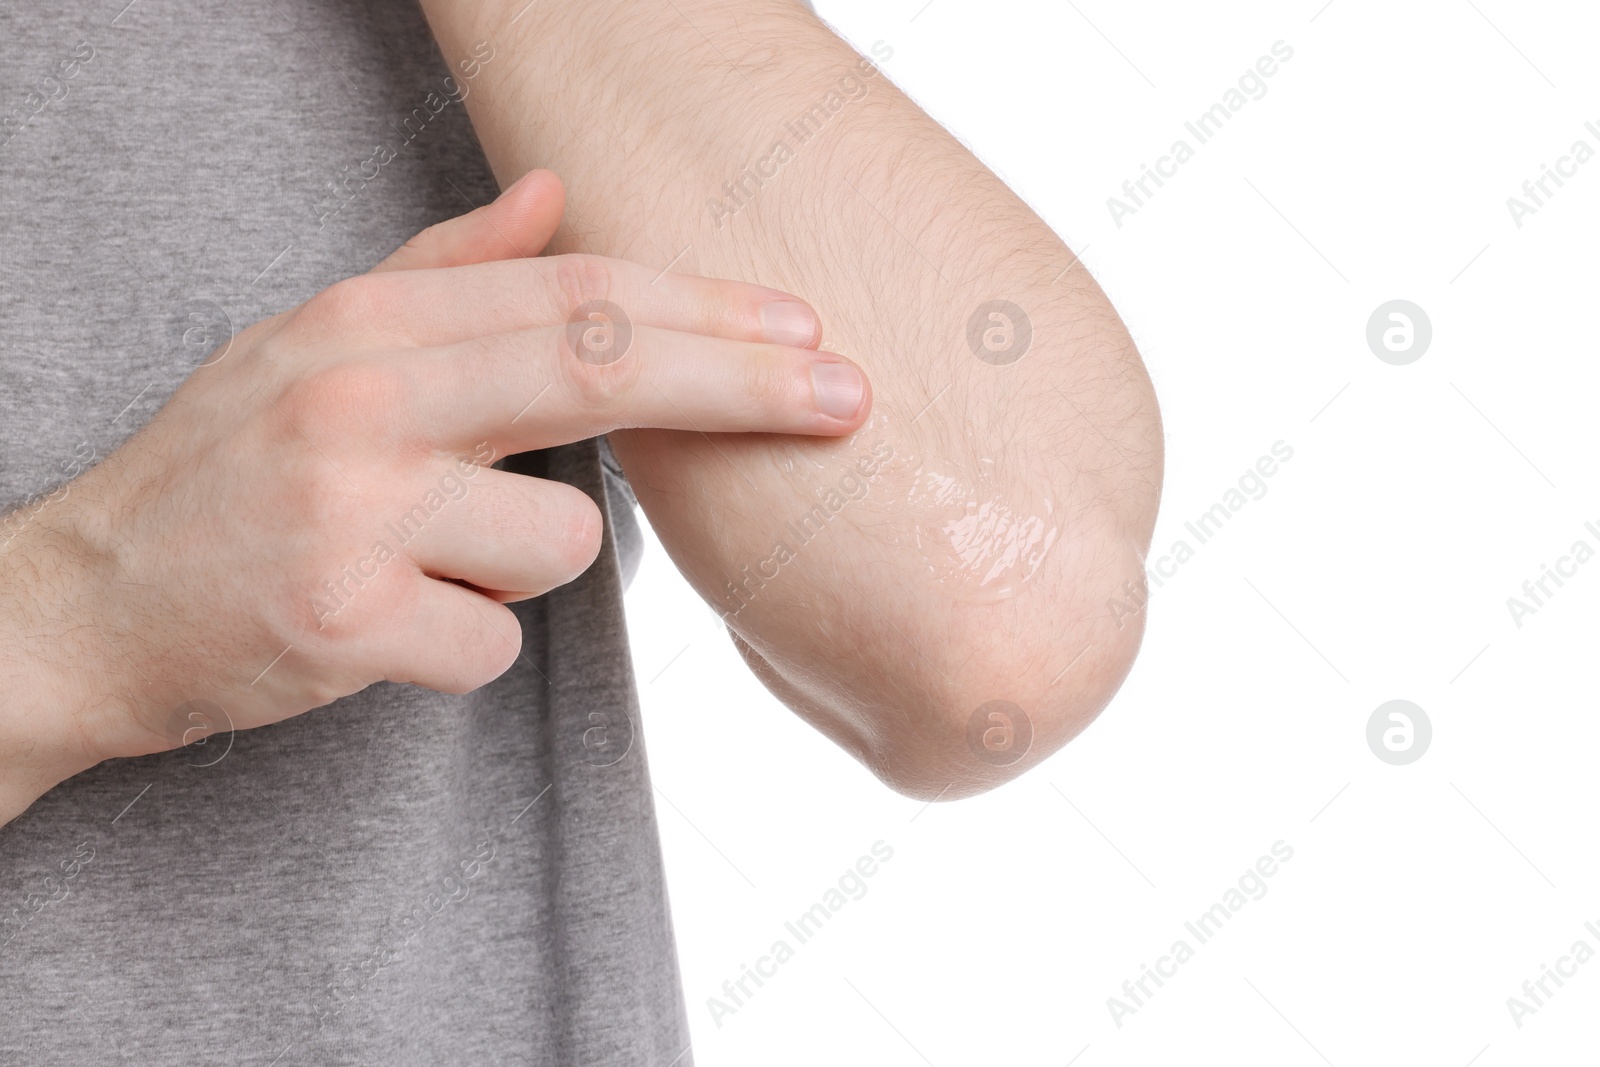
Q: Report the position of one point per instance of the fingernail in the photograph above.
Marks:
(788, 322)
(838, 388)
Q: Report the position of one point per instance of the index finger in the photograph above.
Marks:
(442, 306)
(540, 388)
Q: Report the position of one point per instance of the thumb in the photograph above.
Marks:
(518, 223)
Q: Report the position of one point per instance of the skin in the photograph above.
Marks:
(190, 564)
(1009, 501)
(1019, 499)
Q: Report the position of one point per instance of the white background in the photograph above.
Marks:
(1377, 566)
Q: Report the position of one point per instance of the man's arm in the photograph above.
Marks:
(965, 546)
(159, 596)
(50, 726)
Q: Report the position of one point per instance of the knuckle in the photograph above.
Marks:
(317, 502)
(358, 394)
(581, 279)
(421, 246)
(769, 381)
(491, 650)
(582, 539)
(570, 529)
(364, 299)
(598, 389)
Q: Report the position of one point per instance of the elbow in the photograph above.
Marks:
(1007, 709)
(947, 700)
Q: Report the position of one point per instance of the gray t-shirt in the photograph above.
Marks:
(403, 877)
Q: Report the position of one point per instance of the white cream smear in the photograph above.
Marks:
(978, 541)
(972, 536)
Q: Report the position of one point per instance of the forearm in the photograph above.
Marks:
(51, 719)
(1005, 502)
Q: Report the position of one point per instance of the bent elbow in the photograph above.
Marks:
(1007, 712)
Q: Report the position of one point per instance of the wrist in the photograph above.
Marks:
(62, 713)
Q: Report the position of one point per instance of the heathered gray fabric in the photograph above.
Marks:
(459, 875)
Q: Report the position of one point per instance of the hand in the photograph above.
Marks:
(314, 509)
